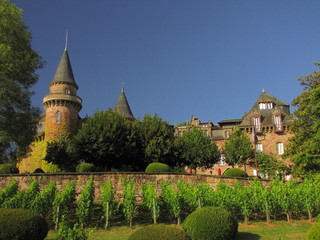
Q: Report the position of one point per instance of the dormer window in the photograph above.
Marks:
(278, 123)
(257, 124)
(266, 105)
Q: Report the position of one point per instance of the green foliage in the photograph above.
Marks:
(85, 203)
(243, 196)
(238, 148)
(314, 232)
(235, 172)
(225, 198)
(105, 140)
(151, 200)
(269, 166)
(317, 219)
(43, 202)
(303, 148)
(109, 205)
(197, 150)
(62, 153)
(7, 168)
(18, 66)
(63, 201)
(9, 191)
(159, 232)
(211, 223)
(129, 206)
(157, 167)
(172, 199)
(85, 167)
(23, 199)
(71, 233)
(190, 196)
(22, 224)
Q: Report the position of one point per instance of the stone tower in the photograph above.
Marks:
(122, 106)
(62, 104)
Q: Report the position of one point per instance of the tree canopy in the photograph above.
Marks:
(197, 150)
(238, 148)
(304, 147)
(18, 65)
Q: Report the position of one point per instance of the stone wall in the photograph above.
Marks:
(62, 179)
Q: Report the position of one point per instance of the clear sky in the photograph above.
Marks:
(210, 58)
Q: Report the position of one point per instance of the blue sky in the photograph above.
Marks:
(210, 58)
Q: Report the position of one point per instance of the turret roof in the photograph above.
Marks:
(122, 106)
(64, 73)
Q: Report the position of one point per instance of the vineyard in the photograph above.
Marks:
(171, 202)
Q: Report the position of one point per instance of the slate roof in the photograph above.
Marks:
(122, 107)
(267, 115)
(64, 73)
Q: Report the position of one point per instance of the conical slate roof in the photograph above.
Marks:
(64, 72)
(122, 107)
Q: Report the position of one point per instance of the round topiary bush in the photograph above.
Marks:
(7, 168)
(235, 172)
(158, 167)
(22, 224)
(314, 232)
(85, 167)
(159, 232)
(38, 170)
(211, 223)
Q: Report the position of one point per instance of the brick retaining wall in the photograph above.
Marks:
(62, 179)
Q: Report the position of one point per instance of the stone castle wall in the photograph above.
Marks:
(62, 179)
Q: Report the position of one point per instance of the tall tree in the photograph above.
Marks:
(18, 64)
(304, 147)
(157, 138)
(238, 148)
(105, 140)
(197, 150)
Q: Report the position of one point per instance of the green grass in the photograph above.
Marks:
(258, 230)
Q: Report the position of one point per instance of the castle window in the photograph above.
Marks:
(259, 147)
(280, 148)
(227, 134)
(264, 105)
(58, 117)
(278, 123)
(222, 160)
(67, 91)
(257, 124)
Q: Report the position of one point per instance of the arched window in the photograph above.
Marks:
(58, 117)
(67, 91)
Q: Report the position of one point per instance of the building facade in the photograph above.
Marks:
(267, 125)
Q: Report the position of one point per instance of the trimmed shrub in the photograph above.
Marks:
(159, 232)
(22, 224)
(235, 172)
(85, 167)
(211, 223)
(314, 232)
(8, 168)
(38, 170)
(158, 167)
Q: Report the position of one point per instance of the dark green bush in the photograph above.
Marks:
(85, 167)
(211, 223)
(314, 232)
(235, 172)
(7, 168)
(38, 170)
(158, 167)
(22, 224)
(159, 232)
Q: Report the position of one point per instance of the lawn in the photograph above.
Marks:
(258, 230)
